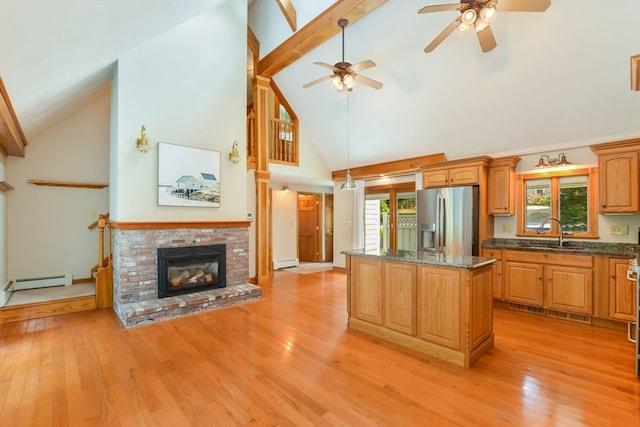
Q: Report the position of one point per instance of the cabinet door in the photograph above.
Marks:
(619, 175)
(500, 195)
(523, 283)
(366, 289)
(569, 289)
(435, 178)
(463, 176)
(496, 270)
(399, 297)
(438, 307)
(622, 291)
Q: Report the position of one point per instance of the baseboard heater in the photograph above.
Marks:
(42, 282)
(5, 293)
(284, 263)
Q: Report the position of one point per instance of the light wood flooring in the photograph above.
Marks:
(289, 360)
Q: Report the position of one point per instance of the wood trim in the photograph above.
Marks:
(395, 167)
(12, 139)
(621, 146)
(173, 225)
(315, 33)
(635, 72)
(289, 13)
(46, 309)
(66, 184)
(4, 186)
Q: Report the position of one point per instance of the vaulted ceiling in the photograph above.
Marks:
(556, 79)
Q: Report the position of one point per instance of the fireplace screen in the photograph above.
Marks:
(190, 269)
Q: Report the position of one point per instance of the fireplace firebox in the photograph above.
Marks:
(191, 269)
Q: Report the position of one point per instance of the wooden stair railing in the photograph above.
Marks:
(283, 142)
(103, 271)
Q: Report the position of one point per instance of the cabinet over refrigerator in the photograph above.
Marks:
(448, 220)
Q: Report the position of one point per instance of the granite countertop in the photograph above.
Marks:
(569, 246)
(443, 260)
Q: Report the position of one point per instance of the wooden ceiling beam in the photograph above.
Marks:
(315, 33)
(12, 140)
(289, 13)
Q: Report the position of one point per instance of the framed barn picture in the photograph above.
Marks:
(188, 176)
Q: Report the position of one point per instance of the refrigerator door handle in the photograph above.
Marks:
(440, 224)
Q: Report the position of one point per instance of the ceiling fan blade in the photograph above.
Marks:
(439, 8)
(325, 65)
(523, 5)
(364, 65)
(486, 39)
(367, 81)
(443, 35)
(320, 80)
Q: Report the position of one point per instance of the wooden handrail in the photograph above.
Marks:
(94, 224)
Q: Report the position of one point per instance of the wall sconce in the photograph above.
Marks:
(559, 161)
(234, 155)
(285, 188)
(142, 143)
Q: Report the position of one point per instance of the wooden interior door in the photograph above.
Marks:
(308, 228)
(328, 228)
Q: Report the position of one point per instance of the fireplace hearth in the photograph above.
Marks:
(191, 269)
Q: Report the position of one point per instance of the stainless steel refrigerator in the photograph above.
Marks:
(448, 220)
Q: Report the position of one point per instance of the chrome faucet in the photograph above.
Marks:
(552, 218)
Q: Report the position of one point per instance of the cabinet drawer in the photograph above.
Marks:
(571, 260)
(492, 253)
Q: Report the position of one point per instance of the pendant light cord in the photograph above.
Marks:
(348, 134)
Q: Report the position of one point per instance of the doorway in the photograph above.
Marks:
(390, 217)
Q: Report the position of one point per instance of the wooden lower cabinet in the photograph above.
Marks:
(569, 289)
(622, 291)
(442, 311)
(524, 283)
(496, 269)
(561, 282)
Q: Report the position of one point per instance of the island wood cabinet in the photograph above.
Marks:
(550, 280)
(619, 176)
(622, 291)
(445, 312)
(501, 186)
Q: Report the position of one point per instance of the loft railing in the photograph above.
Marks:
(103, 271)
(283, 142)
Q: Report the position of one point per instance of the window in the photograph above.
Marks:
(569, 195)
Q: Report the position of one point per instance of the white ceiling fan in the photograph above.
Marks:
(344, 73)
(477, 15)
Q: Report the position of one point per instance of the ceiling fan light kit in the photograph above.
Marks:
(344, 73)
(479, 14)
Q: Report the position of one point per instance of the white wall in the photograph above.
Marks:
(582, 156)
(284, 224)
(189, 88)
(47, 226)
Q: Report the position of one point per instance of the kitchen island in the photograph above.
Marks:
(438, 304)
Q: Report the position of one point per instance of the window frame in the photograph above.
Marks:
(554, 175)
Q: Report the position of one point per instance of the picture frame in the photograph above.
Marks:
(188, 176)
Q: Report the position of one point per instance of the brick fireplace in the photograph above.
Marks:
(135, 269)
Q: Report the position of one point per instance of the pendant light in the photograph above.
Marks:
(349, 184)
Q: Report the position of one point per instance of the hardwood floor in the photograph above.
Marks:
(289, 360)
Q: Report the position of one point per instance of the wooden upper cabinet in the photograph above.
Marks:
(453, 173)
(619, 172)
(501, 186)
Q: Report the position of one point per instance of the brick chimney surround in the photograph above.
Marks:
(135, 269)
